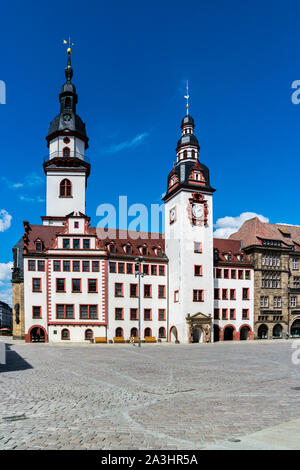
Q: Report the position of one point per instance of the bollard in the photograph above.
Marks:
(2, 353)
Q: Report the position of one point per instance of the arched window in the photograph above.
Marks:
(66, 152)
(88, 334)
(185, 154)
(65, 334)
(134, 332)
(119, 332)
(148, 332)
(65, 188)
(162, 332)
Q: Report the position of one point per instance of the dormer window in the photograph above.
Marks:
(38, 246)
(127, 249)
(197, 176)
(144, 250)
(112, 248)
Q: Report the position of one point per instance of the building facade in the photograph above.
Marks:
(274, 250)
(74, 282)
(5, 316)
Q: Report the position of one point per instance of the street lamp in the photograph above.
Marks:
(138, 273)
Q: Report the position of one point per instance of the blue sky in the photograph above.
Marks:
(130, 64)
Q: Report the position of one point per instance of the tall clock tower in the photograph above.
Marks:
(67, 168)
(189, 241)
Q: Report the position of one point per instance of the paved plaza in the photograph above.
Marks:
(159, 397)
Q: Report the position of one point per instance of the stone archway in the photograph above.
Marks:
(295, 328)
(262, 332)
(173, 335)
(244, 333)
(228, 333)
(37, 334)
(199, 328)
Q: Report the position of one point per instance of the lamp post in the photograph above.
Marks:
(138, 273)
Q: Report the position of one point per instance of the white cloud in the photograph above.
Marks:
(225, 226)
(32, 199)
(137, 140)
(5, 282)
(31, 180)
(5, 220)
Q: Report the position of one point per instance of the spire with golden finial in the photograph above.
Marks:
(187, 97)
(68, 69)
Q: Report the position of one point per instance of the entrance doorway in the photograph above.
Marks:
(244, 333)
(37, 335)
(228, 333)
(216, 334)
(197, 335)
(295, 329)
(277, 331)
(262, 332)
(173, 334)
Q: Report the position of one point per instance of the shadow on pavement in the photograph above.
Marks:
(13, 361)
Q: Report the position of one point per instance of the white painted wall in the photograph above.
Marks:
(62, 206)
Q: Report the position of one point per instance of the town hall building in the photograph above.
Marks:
(71, 284)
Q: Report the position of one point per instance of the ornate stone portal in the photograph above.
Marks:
(199, 328)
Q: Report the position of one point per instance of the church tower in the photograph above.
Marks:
(189, 241)
(67, 168)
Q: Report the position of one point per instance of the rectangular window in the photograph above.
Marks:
(112, 267)
(147, 314)
(36, 284)
(64, 311)
(161, 314)
(217, 294)
(232, 294)
(293, 301)
(31, 265)
(247, 275)
(118, 289)
(36, 312)
(218, 273)
(76, 266)
(197, 247)
(245, 293)
(76, 244)
(66, 243)
(76, 224)
(86, 243)
(41, 265)
(296, 282)
(264, 301)
(233, 274)
(95, 266)
(76, 285)
(88, 312)
(133, 290)
(224, 313)
(241, 274)
(232, 314)
(147, 290)
(198, 295)
(119, 314)
(226, 273)
(56, 265)
(161, 292)
(245, 314)
(216, 314)
(121, 268)
(295, 263)
(224, 294)
(176, 296)
(66, 265)
(92, 285)
(133, 314)
(153, 270)
(197, 270)
(60, 285)
(161, 270)
(129, 268)
(85, 266)
(146, 268)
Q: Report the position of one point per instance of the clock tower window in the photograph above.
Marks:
(65, 189)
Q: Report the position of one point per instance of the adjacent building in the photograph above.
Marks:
(5, 316)
(274, 251)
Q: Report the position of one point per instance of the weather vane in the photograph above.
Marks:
(70, 44)
(187, 97)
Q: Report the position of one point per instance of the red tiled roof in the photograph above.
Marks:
(254, 230)
(47, 234)
(226, 246)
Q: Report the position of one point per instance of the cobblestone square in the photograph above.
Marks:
(159, 397)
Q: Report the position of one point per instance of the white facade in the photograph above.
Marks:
(180, 238)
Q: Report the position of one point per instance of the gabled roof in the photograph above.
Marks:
(254, 231)
(225, 247)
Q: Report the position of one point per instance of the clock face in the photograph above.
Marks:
(172, 214)
(197, 210)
